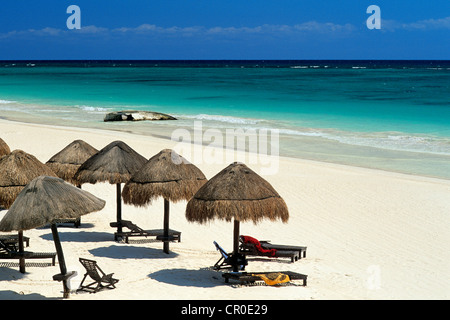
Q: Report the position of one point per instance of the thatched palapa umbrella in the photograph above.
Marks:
(115, 163)
(66, 162)
(44, 200)
(167, 175)
(4, 149)
(17, 169)
(236, 193)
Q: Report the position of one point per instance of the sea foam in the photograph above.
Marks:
(6, 101)
(93, 109)
(219, 118)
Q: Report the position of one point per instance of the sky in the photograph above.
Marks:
(219, 29)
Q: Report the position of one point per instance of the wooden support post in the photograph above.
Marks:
(166, 225)
(21, 250)
(119, 208)
(61, 260)
(236, 243)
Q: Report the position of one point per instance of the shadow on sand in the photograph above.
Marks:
(131, 252)
(81, 236)
(9, 271)
(202, 278)
(11, 295)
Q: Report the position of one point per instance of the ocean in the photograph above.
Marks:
(389, 115)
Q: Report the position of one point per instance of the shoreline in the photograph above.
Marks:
(380, 159)
(371, 234)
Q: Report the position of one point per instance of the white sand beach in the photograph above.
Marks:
(370, 234)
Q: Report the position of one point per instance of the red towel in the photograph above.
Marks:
(257, 244)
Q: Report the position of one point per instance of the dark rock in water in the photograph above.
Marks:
(134, 115)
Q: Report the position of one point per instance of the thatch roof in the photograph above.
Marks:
(115, 163)
(4, 149)
(45, 199)
(66, 162)
(167, 174)
(237, 193)
(17, 169)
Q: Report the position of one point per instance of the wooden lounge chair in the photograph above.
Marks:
(9, 250)
(301, 249)
(228, 260)
(252, 247)
(76, 221)
(252, 277)
(14, 238)
(136, 231)
(101, 279)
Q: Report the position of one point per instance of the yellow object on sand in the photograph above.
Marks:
(273, 278)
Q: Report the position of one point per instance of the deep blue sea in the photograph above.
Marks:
(390, 115)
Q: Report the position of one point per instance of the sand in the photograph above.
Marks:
(370, 234)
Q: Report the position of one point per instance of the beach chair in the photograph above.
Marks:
(250, 246)
(101, 279)
(76, 221)
(136, 231)
(270, 278)
(9, 250)
(14, 238)
(228, 260)
(301, 249)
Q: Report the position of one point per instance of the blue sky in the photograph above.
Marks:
(219, 29)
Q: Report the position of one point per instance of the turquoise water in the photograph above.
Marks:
(391, 115)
